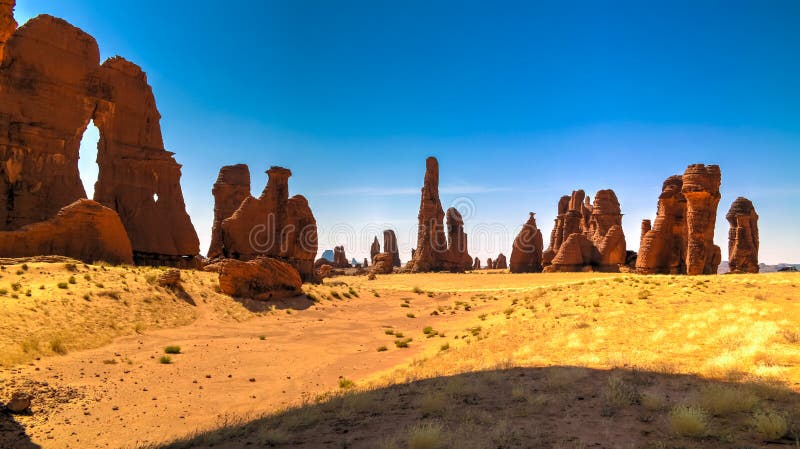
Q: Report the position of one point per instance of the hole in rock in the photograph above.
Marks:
(87, 159)
(155, 197)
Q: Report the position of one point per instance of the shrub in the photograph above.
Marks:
(172, 349)
(346, 384)
(25, 267)
(617, 393)
(410, 315)
(417, 290)
(63, 285)
(72, 280)
(165, 360)
(389, 332)
(770, 425)
(382, 348)
(425, 436)
(722, 400)
(57, 346)
(336, 295)
(444, 347)
(273, 436)
(688, 421)
(402, 343)
(16, 286)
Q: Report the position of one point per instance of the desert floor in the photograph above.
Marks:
(485, 359)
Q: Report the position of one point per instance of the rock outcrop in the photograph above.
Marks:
(476, 264)
(51, 85)
(261, 278)
(340, 258)
(500, 263)
(587, 236)
(390, 246)
(230, 190)
(489, 263)
(383, 264)
(84, 230)
(526, 253)
(681, 239)
(434, 251)
(374, 249)
(273, 225)
(743, 237)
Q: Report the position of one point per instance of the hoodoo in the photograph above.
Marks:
(743, 237)
(526, 253)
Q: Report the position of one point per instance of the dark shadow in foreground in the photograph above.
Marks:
(12, 434)
(553, 407)
(300, 302)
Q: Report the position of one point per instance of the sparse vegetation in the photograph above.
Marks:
(165, 360)
(689, 421)
(172, 349)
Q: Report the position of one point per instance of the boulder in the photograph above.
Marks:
(19, 402)
(435, 251)
(324, 271)
(84, 230)
(743, 237)
(526, 253)
(273, 225)
(51, 85)
(383, 264)
(261, 278)
(170, 278)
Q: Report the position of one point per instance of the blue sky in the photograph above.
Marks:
(522, 102)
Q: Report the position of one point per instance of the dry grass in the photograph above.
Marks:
(688, 421)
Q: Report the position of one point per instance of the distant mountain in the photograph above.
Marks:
(328, 254)
(763, 268)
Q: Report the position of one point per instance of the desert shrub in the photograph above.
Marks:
(16, 286)
(425, 436)
(617, 393)
(389, 332)
(651, 401)
(57, 346)
(410, 315)
(721, 400)
(688, 421)
(346, 384)
(172, 349)
(433, 403)
(336, 295)
(444, 347)
(402, 343)
(382, 348)
(417, 290)
(312, 297)
(770, 425)
(644, 294)
(165, 360)
(72, 280)
(63, 285)
(25, 267)
(270, 436)
(353, 292)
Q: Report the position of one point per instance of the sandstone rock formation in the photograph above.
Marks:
(489, 263)
(84, 230)
(51, 85)
(500, 263)
(374, 249)
(743, 237)
(273, 225)
(390, 246)
(324, 271)
(365, 264)
(476, 264)
(435, 252)
(260, 278)
(340, 258)
(681, 240)
(230, 190)
(383, 263)
(587, 236)
(526, 253)
(170, 278)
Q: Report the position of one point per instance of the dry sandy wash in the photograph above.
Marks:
(478, 360)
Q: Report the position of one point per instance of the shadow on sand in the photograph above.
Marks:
(553, 407)
(12, 435)
(300, 302)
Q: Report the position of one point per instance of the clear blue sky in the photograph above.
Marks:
(522, 102)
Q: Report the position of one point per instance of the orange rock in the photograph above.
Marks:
(662, 249)
(476, 265)
(340, 258)
(434, 251)
(51, 86)
(375, 249)
(84, 230)
(273, 225)
(500, 263)
(260, 278)
(390, 246)
(231, 188)
(701, 188)
(743, 237)
(383, 263)
(526, 253)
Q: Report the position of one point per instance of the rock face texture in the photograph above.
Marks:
(390, 246)
(681, 239)
(743, 237)
(500, 263)
(489, 263)
(476, 265)
(260, 278)
(383, 264)
(231, 188)
(526, 253)
(340, 258)
(587, 236)
(51, 85)
(374, 249)
(434, 251)
(84, 230)
(273, 225)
